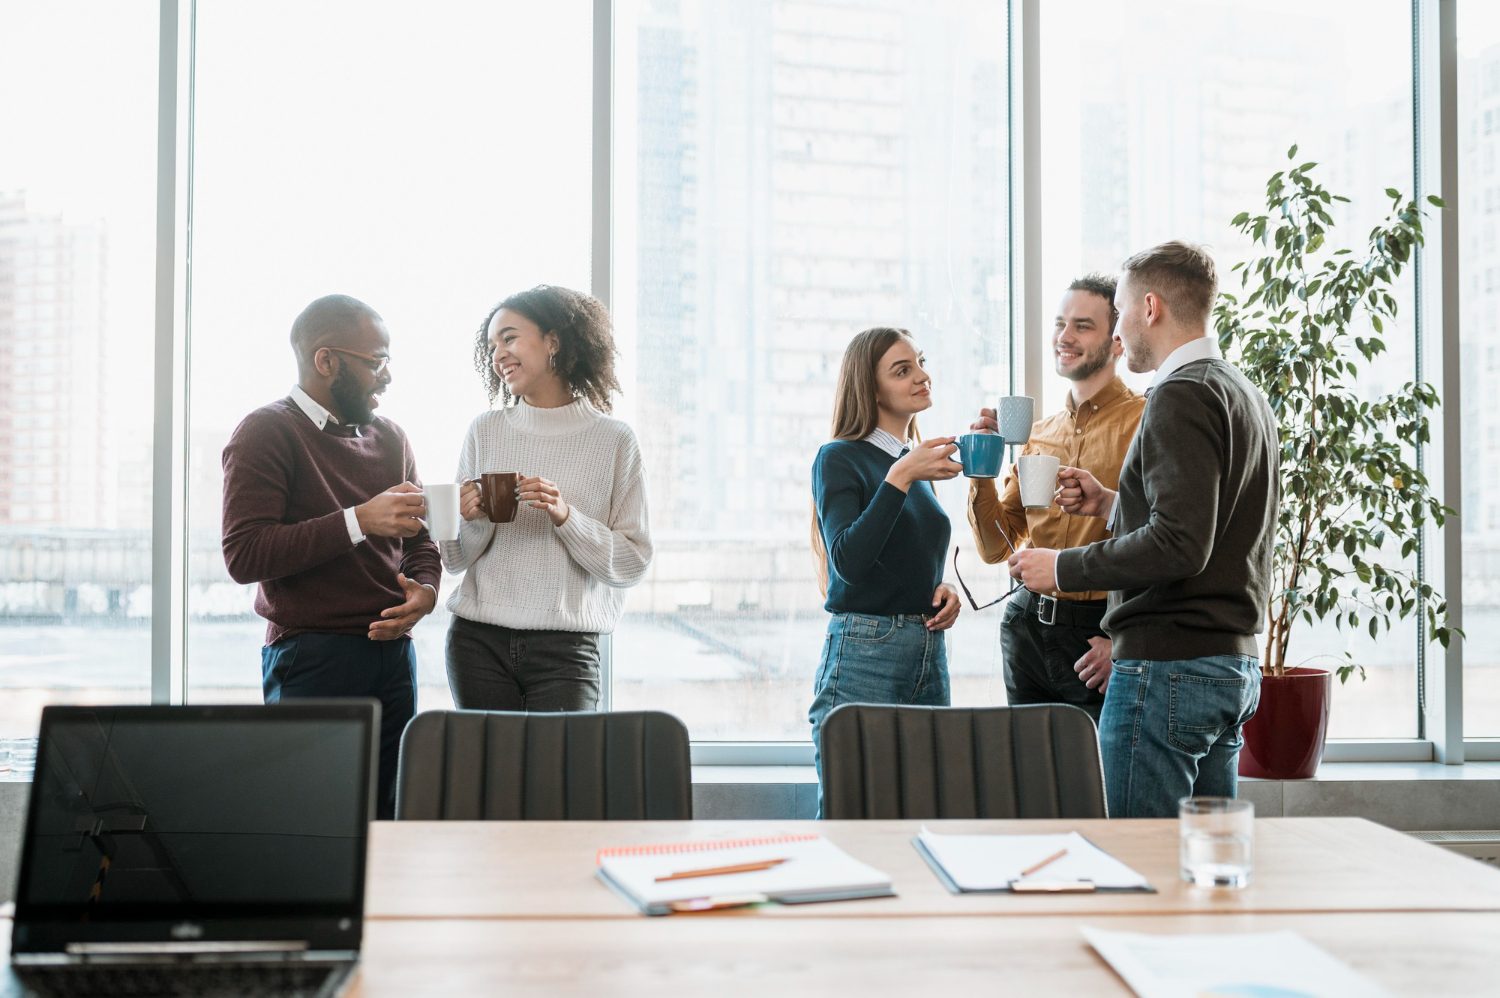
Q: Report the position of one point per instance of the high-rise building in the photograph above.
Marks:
(53, 426)
(1479, 304)
(806, 170)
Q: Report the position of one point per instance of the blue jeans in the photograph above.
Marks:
(350, 665)
(1171, 729)
(869, 658)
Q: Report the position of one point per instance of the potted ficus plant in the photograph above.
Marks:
(1306, 321)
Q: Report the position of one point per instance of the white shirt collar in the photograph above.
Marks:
(886, 442)
(1202, 348)
(320, 416)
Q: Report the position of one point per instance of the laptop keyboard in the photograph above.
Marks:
(281, 980)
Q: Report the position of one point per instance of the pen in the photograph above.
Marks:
(1049, 860)
(714, 871)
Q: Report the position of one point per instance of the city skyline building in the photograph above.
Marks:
(54, 419)
(804, 173)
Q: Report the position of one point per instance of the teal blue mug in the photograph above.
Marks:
(982, 454)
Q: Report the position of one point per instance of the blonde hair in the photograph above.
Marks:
(856, 413)
(1181, 273)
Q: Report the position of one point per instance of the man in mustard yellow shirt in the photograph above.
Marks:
(1051, 643)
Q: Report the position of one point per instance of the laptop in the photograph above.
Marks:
(196, 850)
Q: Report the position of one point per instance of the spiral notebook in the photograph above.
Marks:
(705, 874)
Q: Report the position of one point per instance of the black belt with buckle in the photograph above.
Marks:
(1056, 612)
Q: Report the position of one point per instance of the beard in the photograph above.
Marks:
(1092, 362)
(353, 401)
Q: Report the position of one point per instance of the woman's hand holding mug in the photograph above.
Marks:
(541, 494)
(471, 502)
(928, 461)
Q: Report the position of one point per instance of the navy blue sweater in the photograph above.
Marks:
(885, 547)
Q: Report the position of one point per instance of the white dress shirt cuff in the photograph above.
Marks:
(352, 522)
(1114, 507)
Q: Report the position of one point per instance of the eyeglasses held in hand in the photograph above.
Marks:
(970, 596)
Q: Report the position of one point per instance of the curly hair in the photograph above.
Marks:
(585, 357)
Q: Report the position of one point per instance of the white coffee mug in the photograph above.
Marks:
(1013, 416)
(1038, 479)
(442, 511)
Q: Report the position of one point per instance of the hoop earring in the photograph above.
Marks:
(552, 361)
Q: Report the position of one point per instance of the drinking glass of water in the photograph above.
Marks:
(1218, 839)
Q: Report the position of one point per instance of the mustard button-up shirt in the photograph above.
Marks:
(1093, 436)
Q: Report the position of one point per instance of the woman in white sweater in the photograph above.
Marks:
(543, 587)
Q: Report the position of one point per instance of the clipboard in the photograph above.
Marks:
(1040, 884)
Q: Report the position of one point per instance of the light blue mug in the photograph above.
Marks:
(982, 454)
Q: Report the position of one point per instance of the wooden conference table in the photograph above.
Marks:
(501, 908)
(543, 869)
(479, 908)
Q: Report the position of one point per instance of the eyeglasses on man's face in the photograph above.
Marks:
(377, 365)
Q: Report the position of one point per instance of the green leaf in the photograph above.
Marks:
(1436, 201)
(1306, 331)
(1292, 152)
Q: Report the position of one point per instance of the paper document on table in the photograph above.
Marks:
(1020, 862)
(707, 873)
(1229, 964)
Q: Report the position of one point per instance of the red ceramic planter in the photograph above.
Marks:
(1284, 740)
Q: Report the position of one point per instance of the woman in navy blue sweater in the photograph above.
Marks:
(883, 535)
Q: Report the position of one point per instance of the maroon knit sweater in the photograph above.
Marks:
(286, 485)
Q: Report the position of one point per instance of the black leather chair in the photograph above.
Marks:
(961, 762)
(495, 765)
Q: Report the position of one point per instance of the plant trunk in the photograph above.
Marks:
(1274, 663)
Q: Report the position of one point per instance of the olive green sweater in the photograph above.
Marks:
(1189, 566)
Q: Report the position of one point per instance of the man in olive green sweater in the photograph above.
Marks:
(1189, 565)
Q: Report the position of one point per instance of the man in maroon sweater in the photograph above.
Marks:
(321, 507)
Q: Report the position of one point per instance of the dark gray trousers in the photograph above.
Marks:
(502, 668)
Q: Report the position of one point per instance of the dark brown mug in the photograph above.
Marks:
(497, 495)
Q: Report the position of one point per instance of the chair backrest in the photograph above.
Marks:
(961, 762)
(492, 765)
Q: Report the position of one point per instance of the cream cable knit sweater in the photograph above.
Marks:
(528, 573)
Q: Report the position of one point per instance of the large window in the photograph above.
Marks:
(427, 162)
(77, 229)
(783, 174)
(1164, 120)
(789, 174)
(1479, 305)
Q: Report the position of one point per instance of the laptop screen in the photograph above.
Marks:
(166, 814)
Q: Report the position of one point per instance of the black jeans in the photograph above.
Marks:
(1039, 659)
(502, 668)
(350, 665)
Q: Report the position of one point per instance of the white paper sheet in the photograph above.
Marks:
(1228, 965)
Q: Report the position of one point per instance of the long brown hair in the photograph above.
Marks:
(856, 413)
